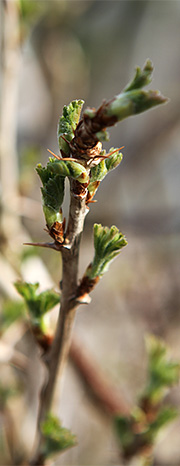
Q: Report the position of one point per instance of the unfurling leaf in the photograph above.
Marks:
(37, 303)
(56, 437)
(67, 124)
(68, 168)
(52, 177)
(138, 432)
(162, 371)
(108, 243)
(142, 77)
(52, 194)
(123, 427)
(165, 415)
(132, 100)
(99, 172)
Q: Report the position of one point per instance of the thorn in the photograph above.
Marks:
(111, 153)
(45, 245)
(62, 158)
(70, 158)
(57, 156)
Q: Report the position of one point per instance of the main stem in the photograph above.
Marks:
(55, 359)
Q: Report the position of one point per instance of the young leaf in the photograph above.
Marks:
(162, 372)
(165, 415)
(56, 437)
(108, 243)
(68, 168)
(99, 172)
(67, 124)
(114, 159)
(132, 100)
(123, 428)
(37, 304)
(142, 77)
(52, 194)
(52, 177)
(137, 433)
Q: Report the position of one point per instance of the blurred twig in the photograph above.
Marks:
(102, 391)
(11, 61)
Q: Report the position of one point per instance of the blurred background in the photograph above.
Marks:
(51, 53)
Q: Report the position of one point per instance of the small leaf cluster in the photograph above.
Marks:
(56, 437)
(37, 303)
(108, 243)
(133, 99)
(162, 371)
(52, 194)
(137, 436)
(138, 432)
(98, 172)
(67, 124)
(52, 177)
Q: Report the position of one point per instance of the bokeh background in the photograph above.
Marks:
(60, 51)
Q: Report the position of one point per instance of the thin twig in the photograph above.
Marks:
(55, 359)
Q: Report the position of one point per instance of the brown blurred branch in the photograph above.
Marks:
(103, 392)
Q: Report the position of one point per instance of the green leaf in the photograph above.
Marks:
(113, 160)
(162, 372)
(27, 290)
(165, 415)
(140, 429)
(37, 304)
(56, 437)
(98, 172)
(123, 428)
(52, 177)
(142, 77)
(108, 243)
(69, 168)
(67, 124)
(52, 194)
(133, 102)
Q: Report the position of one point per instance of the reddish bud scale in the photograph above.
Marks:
(86, 286)
(43, 340)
